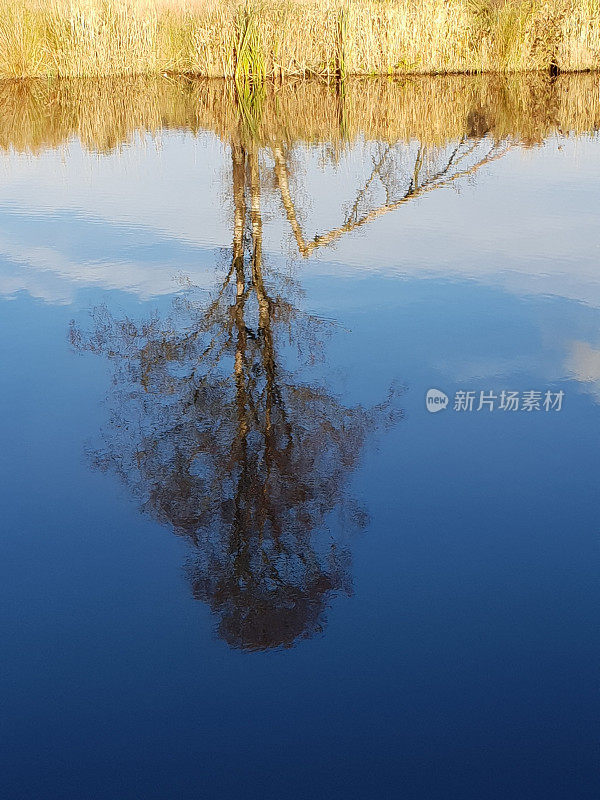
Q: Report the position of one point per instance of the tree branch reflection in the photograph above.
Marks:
(430, 171)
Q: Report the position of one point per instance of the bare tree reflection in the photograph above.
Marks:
(242, 455)
(234, 451)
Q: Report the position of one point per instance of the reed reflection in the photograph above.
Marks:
(105, 114)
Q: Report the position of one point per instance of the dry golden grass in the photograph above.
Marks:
(103, 114)
(66, 38)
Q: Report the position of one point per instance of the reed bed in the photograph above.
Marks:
(224, 38)
(105, 114)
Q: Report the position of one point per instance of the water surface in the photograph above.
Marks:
(240, 556)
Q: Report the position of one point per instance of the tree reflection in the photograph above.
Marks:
(218, 428)
(230, 448)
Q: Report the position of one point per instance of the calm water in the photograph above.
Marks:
(240, 558)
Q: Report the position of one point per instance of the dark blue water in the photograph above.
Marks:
(426, 622)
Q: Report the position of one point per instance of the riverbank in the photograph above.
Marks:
(87, 38)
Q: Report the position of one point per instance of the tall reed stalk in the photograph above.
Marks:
(341, 44)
